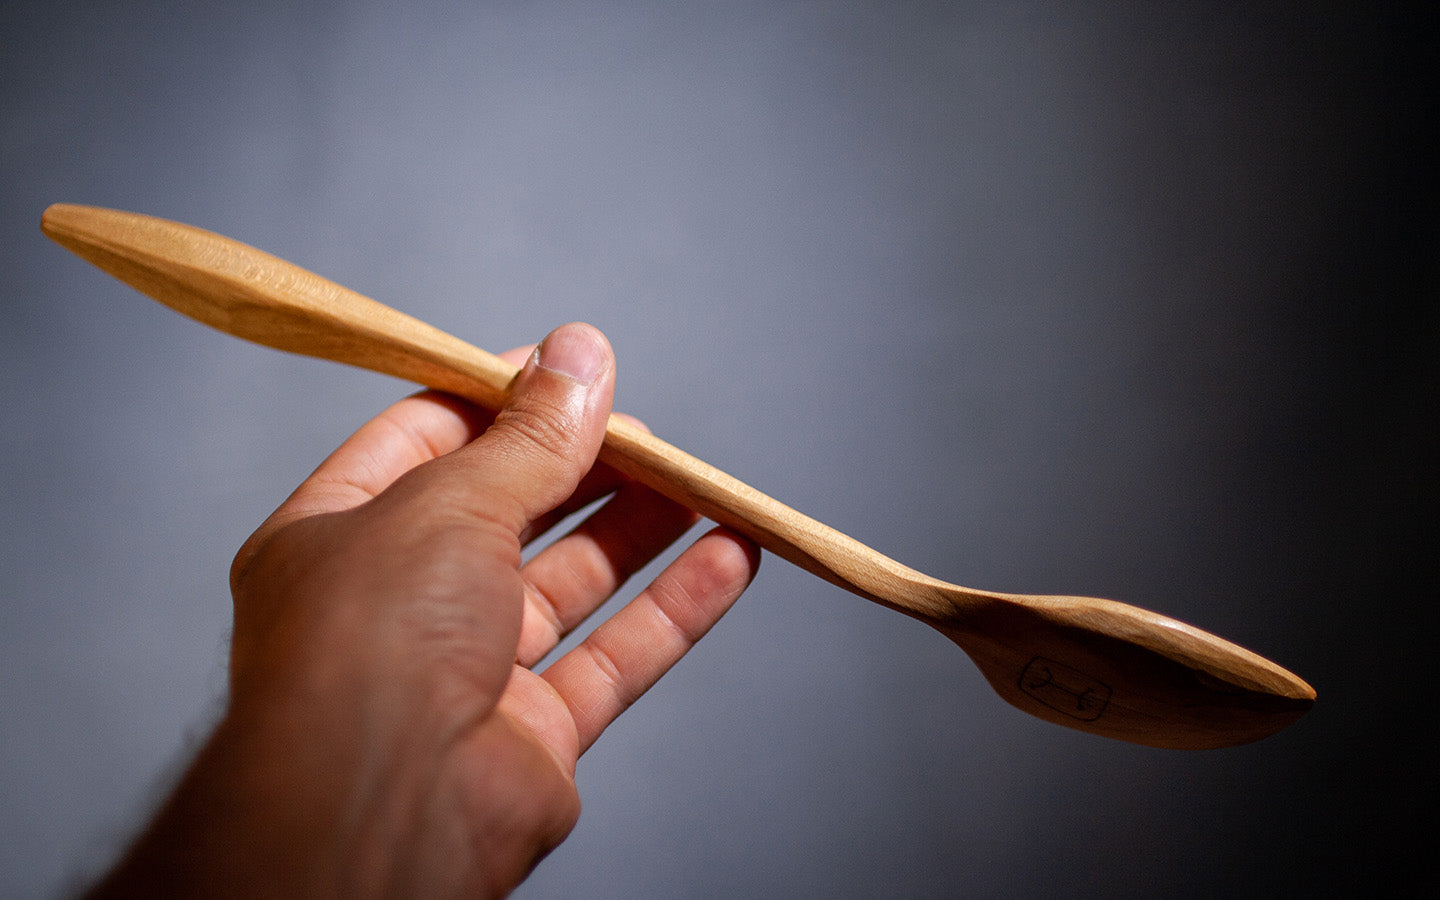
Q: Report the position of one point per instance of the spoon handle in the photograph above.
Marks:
(253, 295)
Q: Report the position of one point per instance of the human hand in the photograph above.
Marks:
(385, 732)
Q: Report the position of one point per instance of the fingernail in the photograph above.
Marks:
(577, 351)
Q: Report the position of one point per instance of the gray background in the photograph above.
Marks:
(1135, 301)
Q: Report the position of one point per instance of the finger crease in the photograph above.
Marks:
(543, 605)
(605, 664)
(667, 599)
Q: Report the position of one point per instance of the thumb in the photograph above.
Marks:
(548, 434)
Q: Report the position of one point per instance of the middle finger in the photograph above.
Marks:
(574, 576)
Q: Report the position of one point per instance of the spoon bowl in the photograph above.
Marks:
(1095, 665)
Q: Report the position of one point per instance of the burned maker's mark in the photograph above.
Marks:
(1064, 689)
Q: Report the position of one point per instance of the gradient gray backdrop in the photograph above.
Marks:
(1136, 300)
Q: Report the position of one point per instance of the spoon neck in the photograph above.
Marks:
(812, 545)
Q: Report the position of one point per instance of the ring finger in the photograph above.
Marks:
(571, 578)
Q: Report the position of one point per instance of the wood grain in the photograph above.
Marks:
(1095, 665)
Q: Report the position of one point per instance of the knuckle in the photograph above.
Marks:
(544, 426)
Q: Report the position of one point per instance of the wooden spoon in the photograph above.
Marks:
(1094, 665)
